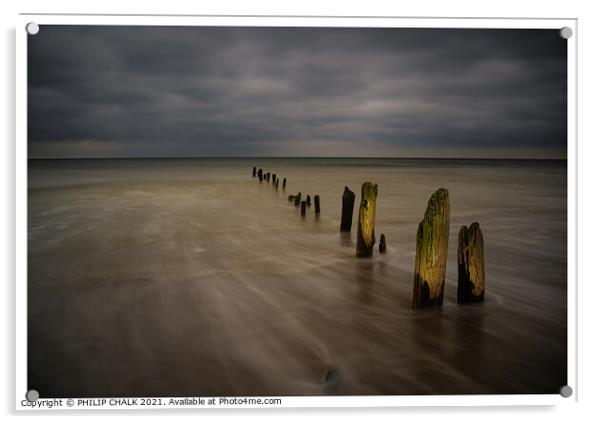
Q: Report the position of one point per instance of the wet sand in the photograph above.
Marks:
(189, 277)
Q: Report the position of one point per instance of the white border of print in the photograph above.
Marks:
(294, 401)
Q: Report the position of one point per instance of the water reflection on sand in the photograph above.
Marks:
(152, 278)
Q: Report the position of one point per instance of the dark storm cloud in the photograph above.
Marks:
(180, 91)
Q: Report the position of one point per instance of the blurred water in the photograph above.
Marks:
(189, 277)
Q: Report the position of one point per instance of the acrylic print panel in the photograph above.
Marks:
(175, 247)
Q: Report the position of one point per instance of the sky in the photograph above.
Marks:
(107, 91)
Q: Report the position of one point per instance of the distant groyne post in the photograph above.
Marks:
(260, 174)
(317, 204)
(298, 199)
(431, 252)
(283, 184)
(291, 197)
(277, 183)
(273, 179)
(303, 206)
(308, 201)
(382, 245)
(471, 265)
(254, 171)
(367, 218)
(347, 209)
(267, 176)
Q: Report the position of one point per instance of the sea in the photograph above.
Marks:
(189, 277)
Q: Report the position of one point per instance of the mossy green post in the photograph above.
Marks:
(471, 265)
(367, 217)
(431, 252)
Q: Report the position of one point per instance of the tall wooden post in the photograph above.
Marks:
(431, 252)
(283, 184)
(308, 201)
(303, 205)
(298, 199)
(259, 174)
(277, 182)
(273, 179)
(347, 209)
(471, 265)
(367, 218)
(317, 204)
(254, 171)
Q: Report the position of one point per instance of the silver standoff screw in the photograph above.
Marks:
(32, 28)
(566, 391)
(566, 32)
(32, 395)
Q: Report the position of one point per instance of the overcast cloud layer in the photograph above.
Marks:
(185, 91)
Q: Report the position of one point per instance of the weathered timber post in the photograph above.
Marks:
(254, 171)
(273, 179)
(317, 204)
(259, 174)
(267, 176)
(303, 204)
(308, 201)
(471, 265)
(431, 252)
(277, 182)
(283, 184)
(382, 245)
(367, 217)
(298, 199)
(291, 197)
(347, 209)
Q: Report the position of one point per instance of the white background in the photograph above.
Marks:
(590, 45)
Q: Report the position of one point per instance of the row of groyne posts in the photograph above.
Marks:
(297, 199)
(432, 239)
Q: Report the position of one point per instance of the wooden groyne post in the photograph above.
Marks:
(431, 252)
(283, 184)
(303, 205)
(298, 199)
(471, 264)
(254, 171)
(291, 197)
(382, 245)
(317, 204)
(259, 174)
(273, 179)
(308, 201)
(348, 201)
(277, 182)
(367, 217)
(267, 176)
